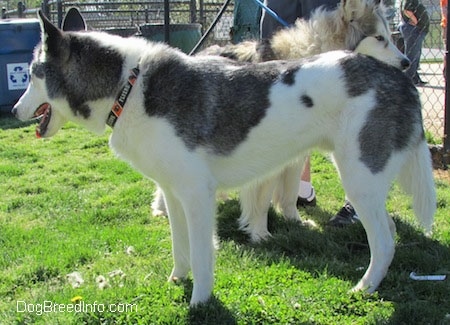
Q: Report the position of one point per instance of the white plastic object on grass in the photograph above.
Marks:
(416, 277)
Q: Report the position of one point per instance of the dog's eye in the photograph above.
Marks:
(380, 38)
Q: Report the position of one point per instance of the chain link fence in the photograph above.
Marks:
(431, 71)
(209, 22)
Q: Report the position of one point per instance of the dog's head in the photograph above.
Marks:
(363, 18)
(384, 50)
(34, 103)
(368, 31)
(58, 90)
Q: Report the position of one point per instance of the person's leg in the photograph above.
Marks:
(306, 193)
(306, 174)
(286, 9)
(444, 40)
(418, 52)
(413, 49)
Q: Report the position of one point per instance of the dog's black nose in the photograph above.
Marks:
(405, 63)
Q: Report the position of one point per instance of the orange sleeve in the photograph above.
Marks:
(444, 4)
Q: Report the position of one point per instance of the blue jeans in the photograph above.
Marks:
(413, 38)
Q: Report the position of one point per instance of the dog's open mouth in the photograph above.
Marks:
(43, 113)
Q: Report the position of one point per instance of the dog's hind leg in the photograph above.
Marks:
(255, 202)
(379, 229)
(158, 204)
(367, 193)
(285, 194)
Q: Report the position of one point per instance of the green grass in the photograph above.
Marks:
(67, 204)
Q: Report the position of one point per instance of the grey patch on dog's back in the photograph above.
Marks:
(66, 79)
(396, 119)
(208, 103)
(307, 101)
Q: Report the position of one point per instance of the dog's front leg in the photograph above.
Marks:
(180, 237)
(199, 207)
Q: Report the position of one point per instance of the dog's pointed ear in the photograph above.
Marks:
(350, 9)
(51, 36)
(73, 21)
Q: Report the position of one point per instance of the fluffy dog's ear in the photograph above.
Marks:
(51, 36)
(350, 8)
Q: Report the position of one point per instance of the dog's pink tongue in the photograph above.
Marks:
(43, 111)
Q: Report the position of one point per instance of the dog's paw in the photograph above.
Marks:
(259, 236)
(257, 231)
(174, 279)
(178, 274)
(159, 213)
(309, 223)
(363, 286)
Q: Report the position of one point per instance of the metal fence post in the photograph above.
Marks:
(447, 94)
(46, 8)
(193, 9)
(166, 21)
(20, 9)
(59, 9)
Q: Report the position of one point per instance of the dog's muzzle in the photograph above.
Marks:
(405, 63)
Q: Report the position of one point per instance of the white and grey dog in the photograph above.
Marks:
(196, 124)
(340, 29)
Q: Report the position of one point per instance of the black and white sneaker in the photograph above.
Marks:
(346, 216)
(310, 201)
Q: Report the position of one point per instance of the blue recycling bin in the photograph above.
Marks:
(18, 38)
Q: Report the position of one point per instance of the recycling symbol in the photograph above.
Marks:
(19, 72)
(18, 76)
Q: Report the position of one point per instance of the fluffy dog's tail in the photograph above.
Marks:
(416, 178)
(244, 52)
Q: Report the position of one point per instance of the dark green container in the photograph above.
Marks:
(247, 16)
(182, 36)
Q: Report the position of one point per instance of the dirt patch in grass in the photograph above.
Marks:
(442, 175)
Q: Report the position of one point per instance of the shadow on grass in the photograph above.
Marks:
(344, 253)
(211, 312)
(306, 248)
(8, 121)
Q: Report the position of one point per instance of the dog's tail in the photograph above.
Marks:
(416, 178)
(243, 52)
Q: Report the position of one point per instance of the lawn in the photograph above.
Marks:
(79, 245)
